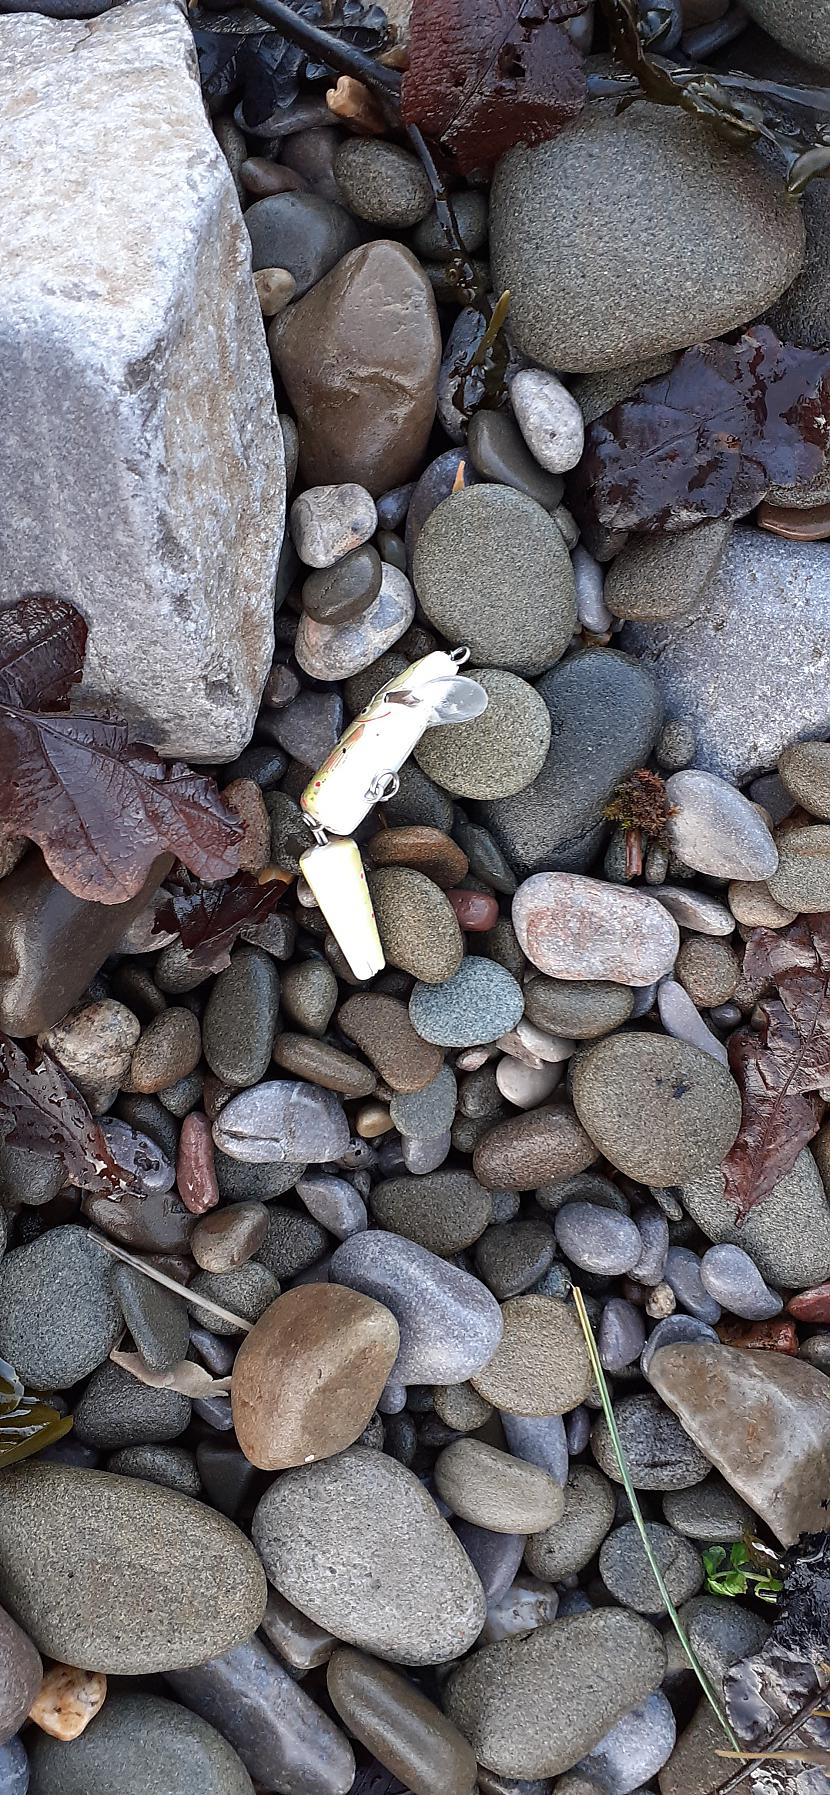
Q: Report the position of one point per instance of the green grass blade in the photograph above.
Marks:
(674, 1617)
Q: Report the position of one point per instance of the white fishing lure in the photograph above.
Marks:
(362, 770)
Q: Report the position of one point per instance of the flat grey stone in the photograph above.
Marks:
(655, 577)
(658, 1452)
(588, 1516)
(139, 1742)
(634, 1749)
(300, 232)
(113, 1574)
(709, 1511)
(598, 236)
(660, 1110)
(116, 1409)
(748, 668)
(59, 1315)
(339, 650)
(156, 1318)
(21, 1673)
(627, 1574)
(279, 1120)
(450, 1323)
(498, 753)
(173, 1466)
(480, 1002)
(147, 355)
(787, 1235)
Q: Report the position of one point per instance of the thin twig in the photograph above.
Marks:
(782, 1736)
(160, 1277)
(445, 213)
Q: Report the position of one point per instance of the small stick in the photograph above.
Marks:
(782, 1736)
(323, 46)
(160, 1277)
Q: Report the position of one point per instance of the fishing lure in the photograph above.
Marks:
(361, 771)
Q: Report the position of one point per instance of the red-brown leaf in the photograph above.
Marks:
(42, 643)
(781, 1067)
(102, 809)
(210, 917)
(41, 1109)
(487, 74)
(707, 439)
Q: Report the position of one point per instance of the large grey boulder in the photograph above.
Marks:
(748, 667)
(141, 461)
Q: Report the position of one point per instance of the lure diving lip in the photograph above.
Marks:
(362, 770)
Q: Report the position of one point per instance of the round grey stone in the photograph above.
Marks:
(597, 237)
(442, 1211)
(155, 1317)
(450, 1323)
(29, 1178)
(514, 1256)
(720, 1631)
(802, 878)
(491, 570)
(634, 1750)
(710, 1511)
(279, 1120)
(682, 1274)
(661, 576)
(425, 1114)
(496, 754)
(479, 1003)
(805, 770)
(580, 1010)
(732, 1278)
(787, 1235)
(117, 1410)
(293, 1242)
(382, 182)
(319, 1526)
(241, 1018)
(21, 1674)
(658, 1452)
(14, 1768)
(340, 593)
(596, 1239)
(246, 1292)
(660, 1110)
(716, 830)
(621, 1334)
(241, 1182)
(119, 1575)
(588, 1516)
(59, 1315)
(172, 1466)
(300, 232)
(470, 208)
(309, 993)
(139, 1742)
(627, 1574)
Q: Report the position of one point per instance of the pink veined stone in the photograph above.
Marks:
(195, 1167)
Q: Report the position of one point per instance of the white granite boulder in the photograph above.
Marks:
(141, 460)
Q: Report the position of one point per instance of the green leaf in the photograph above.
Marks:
(739, 1554)
(713, 1558)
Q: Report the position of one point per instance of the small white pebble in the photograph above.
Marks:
(591, 610)
(549, 419)
(327, 522)
(525, 1086)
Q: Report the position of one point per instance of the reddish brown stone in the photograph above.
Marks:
(810, 525)
(261, 177)
(811, 1305)
(476, 911)
(426, 850)
(195, 1168)
(778, 1335)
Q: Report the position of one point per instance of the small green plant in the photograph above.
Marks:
(732, 1573)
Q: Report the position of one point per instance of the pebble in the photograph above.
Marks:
(572, 927)
(196, 1166)
(67, 1701)
(470, 209)
(580, 1010)
(722, 1631)
(495, 1557)
(605, 711)
(513, 1256)
(496, 754)
(659, 1453)
(442, 1211)
(229, 1237)
(670, 1329)
(534, 1047)
(28, 1178)
(246, 1292)
(293, 1241)
(300, 232)
(587, 1518)
(694, 910)
(425, 1154)
(675, 745)
(477, 1004)
(121, 1576)
(283, 1738)
(710, 1512)
(763, 1420)
(627, 1574)
(662, 576)
(540, 1365)
(709, 969)
(309, 993)
(549, 419)
(21, 1673)
(633, 1750)
(787, 1235)
(140, 1738)
(307, 1378)
(342, 355)
(324, 1065)
(498, 452)
(450, 1324)
(309, 727)
(532, 1149)
(621, 1334)
(538, 1440)
(381, 1027)
(418, 929)
(337, 651)
(95, 1045)
(491, 1488)
(391, 1716)
(318, 1527)
(248, 805)
(172, 1466)
(660, 1110)
(532, 1706)
(241, 1017)
(802, 879)
(169, 1049)
(156, 1318)
(491, 570)
(156, 1222)
(333, 1202)
(297, 1640)
(310, 153)
(275, 289)
(733, 1279)
(117, 1410)
(460, 1407)
(716, 830)
(614, 275)
(59, 1315)
(282, 1122)
(14, 1768)
(477, 912)
(597, 1240)
(683, 1275)
(591, 609)
(342, 592)
(752, 905)
(804, 768)
(684, 1022)
(427, 850)
(327, 522)
(382, 183)
(654, 1236)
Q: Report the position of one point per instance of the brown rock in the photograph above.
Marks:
(157, 1222)
(708, 967)
(308, 1376)
(778, 1335)
(323, 1064)
(477, 911)
(399, 1725)
(762, 1419)
(195, 1164)
(533, 1149)
(68, 1699)
(359, 358)
(381, 1028)
(261, 176)
(248, 805)
(229, 1237)
(811, 1305)
(812, 524)
(169, 1048)
(426, 849)
(540, 1366)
